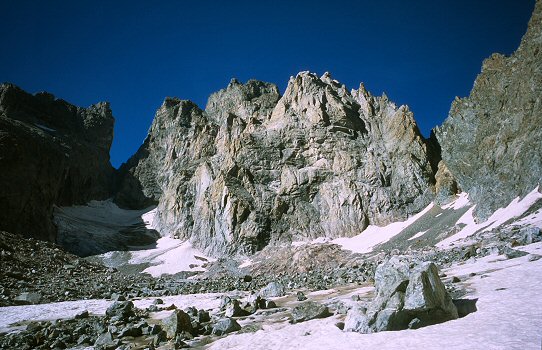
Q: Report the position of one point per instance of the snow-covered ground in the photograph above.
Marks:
(371, 236)
(103, 221)
(12, 315)
(509, 316)
(514, 210)
(374, 236)
(169, 257)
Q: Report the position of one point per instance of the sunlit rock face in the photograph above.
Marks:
(491, 141)
(51, 153)
(256, 168)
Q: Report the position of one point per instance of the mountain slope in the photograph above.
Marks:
(51, 152)
(491, 139)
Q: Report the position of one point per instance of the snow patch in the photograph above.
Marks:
(374, 235)
(419, 234)
(461, 201)
(515, 209)
(507, 318)
(68, 309)
(170, 256)
(322, 292)
(319, 240)
(43, 127)
(246, 263)
(149, 219)
(103, 212)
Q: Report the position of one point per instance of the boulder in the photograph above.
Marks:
(233, 309)
(405, 298)
(301, 296)
(177, 323)
(272, 290)
(511, 253)
(105, 341)
(270, 304)
(28, 298)
(131, 331)
(120, 309)
(203, 316)
(426, 296)
(309, 310)
(391, 276)
(357, 320)
(82, 314)
(225, 326)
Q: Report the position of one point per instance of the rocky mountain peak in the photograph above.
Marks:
(312, 101)
(255, 99)
(256, 168)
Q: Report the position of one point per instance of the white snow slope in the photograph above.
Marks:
(515, 209)
(105, 218)
(509, 316)
(169, 257)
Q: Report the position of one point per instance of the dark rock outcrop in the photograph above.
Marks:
(51, 153)
(491, 139)
(255, 168)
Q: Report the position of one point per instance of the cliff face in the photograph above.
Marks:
(491, 140)
(51, 152)
(255, 168)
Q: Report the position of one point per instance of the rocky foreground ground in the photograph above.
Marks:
(35, 272)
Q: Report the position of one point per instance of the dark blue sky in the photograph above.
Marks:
(134, 53)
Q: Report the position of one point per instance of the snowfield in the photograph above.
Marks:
(12, 315)
(102, 220)
(375, 235)
(514, 210)
(170, 256)
(509, 316)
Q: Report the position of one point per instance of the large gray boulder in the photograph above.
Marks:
(392, 276)
(309, 310)
(225, 326)
(272, 290)
(177, 323)
(256, 168)
(491, 139)
(427, 295)
(409, 294)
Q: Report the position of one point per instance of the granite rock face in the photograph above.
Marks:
(256, 168)
(51, 153)
(491, 139)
